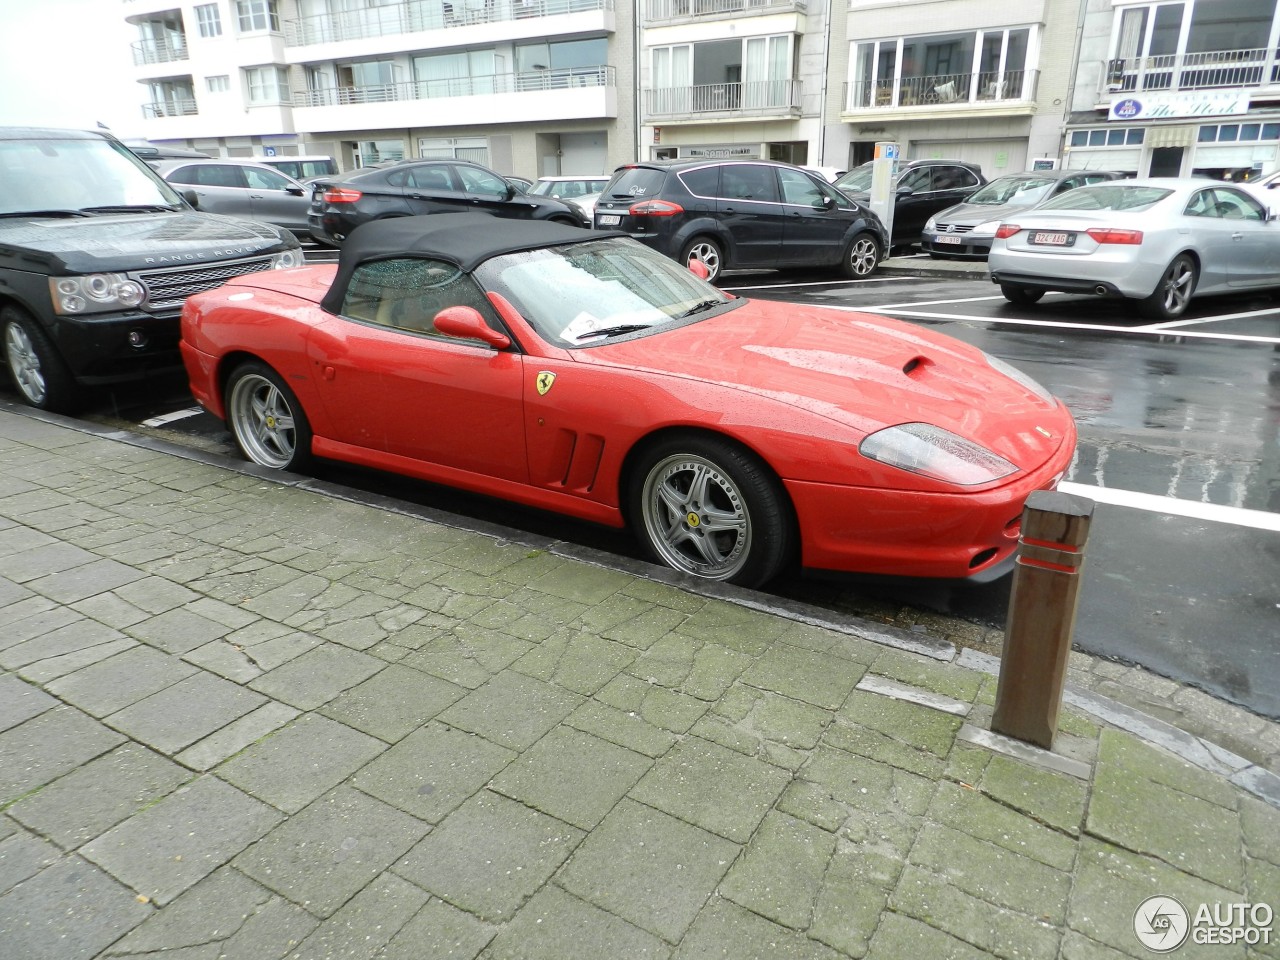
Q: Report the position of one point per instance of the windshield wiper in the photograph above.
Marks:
(133, 208)
(698, 308)
(44, 213)
(613, 331)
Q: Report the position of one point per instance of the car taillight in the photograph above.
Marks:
(655, 208)
(1102, 235)
(1006, 230)
(338, 195)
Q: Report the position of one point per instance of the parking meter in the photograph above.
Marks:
(884, 166)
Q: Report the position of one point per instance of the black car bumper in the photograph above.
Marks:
(117, 347)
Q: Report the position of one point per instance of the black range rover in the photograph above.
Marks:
(97, 255)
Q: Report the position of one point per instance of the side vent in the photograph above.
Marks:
(916, 366)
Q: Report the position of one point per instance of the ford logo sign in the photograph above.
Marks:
(1128, 108)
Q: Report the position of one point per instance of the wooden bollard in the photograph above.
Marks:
(1042, 616)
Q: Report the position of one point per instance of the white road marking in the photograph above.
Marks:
(1154, 503)
(820, 283)
(161, 420)
(1170, 325)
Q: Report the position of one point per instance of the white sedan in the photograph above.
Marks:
(1158, 242)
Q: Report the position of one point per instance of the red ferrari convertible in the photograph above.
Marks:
(580, 372)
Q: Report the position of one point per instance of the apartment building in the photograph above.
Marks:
(527, 87)
(1177, 88)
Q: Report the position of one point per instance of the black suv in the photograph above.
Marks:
(741, 213)
(414, 187)
(922, 189)
(97, 255)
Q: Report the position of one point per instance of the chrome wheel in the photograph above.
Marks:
(864, 254)
(708, 251)
(696, 517)
(1174, 291)
(263, 419)
(24, 364)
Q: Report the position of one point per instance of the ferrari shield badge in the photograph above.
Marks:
(545, 379)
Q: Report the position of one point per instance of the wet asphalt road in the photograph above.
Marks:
(1184, 419)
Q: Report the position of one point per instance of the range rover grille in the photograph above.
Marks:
(167, 289)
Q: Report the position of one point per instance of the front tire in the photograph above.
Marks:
(42, 378)
(1173, 292)
(709, 252)
(708, 508)
(862, 257)
(1021, 296)
(266, 418)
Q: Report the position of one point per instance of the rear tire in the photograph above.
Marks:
(1021, 296)
(1173, 292)
(709, 252)
(862, 257)
(266, 419)
(39, 373)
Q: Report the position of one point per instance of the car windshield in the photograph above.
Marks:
(75, 176)
(1107, 196)
(582, 294)
(1013, 191)
(858, 179)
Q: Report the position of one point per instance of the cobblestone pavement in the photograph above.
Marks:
(245, 718)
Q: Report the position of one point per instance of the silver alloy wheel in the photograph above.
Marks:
(695, 517)
(263, 421)
(24, 363)
(862, 256)
(708, 253)
(1176, 286)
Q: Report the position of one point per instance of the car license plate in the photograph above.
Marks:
(941, 239)
(610, 220)
(1052, 239)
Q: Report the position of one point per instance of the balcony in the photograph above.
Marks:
(956, 92)
(177, 107)
(601, 76)
(414, 16)
(158, 51)
(1216, 69)
(711, 101)
(661, 10)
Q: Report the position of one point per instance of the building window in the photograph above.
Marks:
(370, 152)
(475, 149)
(218, 84)
(719, 75)
(257, 15)
(1239, 132)
(209, 21)
(464, 74)
(267, 84)
(943, 68)
(1107, 137)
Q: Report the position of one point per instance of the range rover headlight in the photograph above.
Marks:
(934, 452)
(94, 293)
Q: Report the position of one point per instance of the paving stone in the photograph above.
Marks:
(576, 661)
(52, 668)
(761, 723)
(468, 655)
(183, 838)
(317, 676)
(648, 868)
(270, 933)
(323, 856)
(512, 710)
(47, 746)
(155, 595)
(23, 855)
(581, 582)
(439, 930)
(394, 702)
(235, 736)
(74, 637)
(20, 701)
(178, 631)
(93, 912)
(868, 787)
(96, 796)
(899, 936)
(739, 628)
(726, 931)
(1052, 798)
(855, 891)
(489, 856)
(181, 714)
(32, 617)
(701, 670)
(831, 642)
(226, 660)
(780, 873)
(556, 925)
(944, 678)
(268, 645)
(983, 818)
(921, 727)
(655, 704)
(813, 804)
(299, 762)
(705, 784)
(626, 729)
(433, 770)
(117, 682)
(637, 623)
(39, 561)
(804, 675)
(110, 609)
(1261, 825)
(211, 911)
(87, 580)
(367, 922)
(1077, 947)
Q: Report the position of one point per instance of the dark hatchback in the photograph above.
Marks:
(413, 188)
(734, 214)
(923, 187)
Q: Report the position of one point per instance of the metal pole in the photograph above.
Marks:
(1042, 616)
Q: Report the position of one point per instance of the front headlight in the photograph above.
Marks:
(987, 229)
(933, 452)
(930, 225)
(289, 258)
(1013, 373)
(94, 293)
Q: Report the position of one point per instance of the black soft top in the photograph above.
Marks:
(465, 239)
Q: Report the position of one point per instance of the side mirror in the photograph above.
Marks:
(511, 192)
(825, 203)
(904, 192)
(295, 191)
(699, 269)
(191, 198)
(465, 323)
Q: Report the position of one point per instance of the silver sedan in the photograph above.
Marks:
(1158, 242)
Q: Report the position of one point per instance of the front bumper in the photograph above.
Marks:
(117, 347)
(968, 247)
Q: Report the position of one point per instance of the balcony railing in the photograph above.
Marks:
(681, 9)
(1192, 71)
(177, 107)
(416, 15)
(601, 76)
(753, 97)
(158, 51)
(963, 89)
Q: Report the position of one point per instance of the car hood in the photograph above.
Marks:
(861, 370)
(120, 242)
(976, 213)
